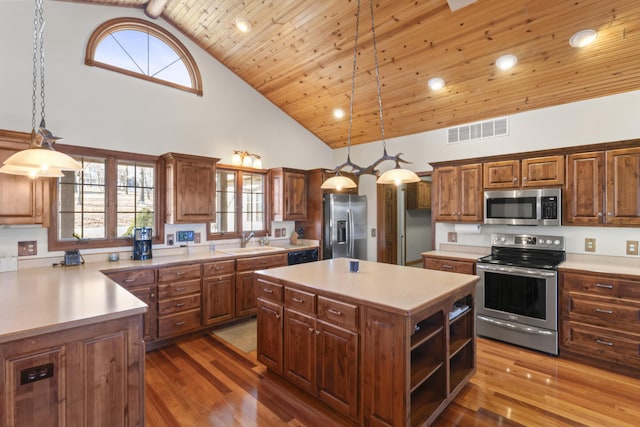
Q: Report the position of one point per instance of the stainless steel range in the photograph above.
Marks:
(517, 298)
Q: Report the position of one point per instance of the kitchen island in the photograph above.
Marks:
(387, 346)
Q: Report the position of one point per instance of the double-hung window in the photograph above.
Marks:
(240, 203)
(100, 205)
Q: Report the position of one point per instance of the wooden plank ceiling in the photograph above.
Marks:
(299, 55)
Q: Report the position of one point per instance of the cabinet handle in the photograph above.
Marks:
(515, 179)
(179, 289)
(336, 312)
(179, 273)
(609, 343)
(310, 329)
(600, 214)
(218, 267)
(600, 310)
(524, 178)
(180, 304)
(267, 291)
(180, 323)
(447, 266)
(129, 280)
(600, 285)
(296, 299)
(609, 213)
(277, 316)
(317, 332)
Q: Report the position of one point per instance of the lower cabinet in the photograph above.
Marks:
(600, 320)
(245, 286)
(179, 300)
(218, 292)
(453, 265)
(91, 375)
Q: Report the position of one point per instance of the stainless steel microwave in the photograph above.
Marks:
(523, 207)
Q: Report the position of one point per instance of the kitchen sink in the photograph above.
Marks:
(250, 250)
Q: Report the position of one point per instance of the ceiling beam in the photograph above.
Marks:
(155, 8)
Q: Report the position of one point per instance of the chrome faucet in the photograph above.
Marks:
(244, 240)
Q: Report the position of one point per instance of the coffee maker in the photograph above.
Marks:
(142, 243)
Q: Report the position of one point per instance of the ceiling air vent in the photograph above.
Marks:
(479, 130)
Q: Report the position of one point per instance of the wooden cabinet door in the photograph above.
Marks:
(470, 208)
(623, 187)
(584, 192)
(447, 188)
(218, 299)
(295, 196)
(269, 334)
(148, 294)
(503, 174)
(543, 171)
(451, 265)
(299, 350)
(419, 195)
(337, 368)
(245, 294)
(22, 200)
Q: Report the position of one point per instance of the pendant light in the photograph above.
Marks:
(40, 159)
(395, 176)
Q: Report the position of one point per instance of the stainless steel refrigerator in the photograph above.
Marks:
(345, 226)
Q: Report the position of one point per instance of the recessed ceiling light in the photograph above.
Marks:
(243, 25)
(338, 113)
(436, 83)
(583, 38)
(506, 62)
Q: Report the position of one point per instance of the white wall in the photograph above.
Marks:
(611, 118)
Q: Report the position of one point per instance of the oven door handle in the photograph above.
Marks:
(516, 270)
(516, 327)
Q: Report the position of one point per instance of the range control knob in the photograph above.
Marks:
(548, 241)
(556, 242)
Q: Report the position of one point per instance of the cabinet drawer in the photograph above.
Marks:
(261, 262)
(454, 266)
(181, 272)
(175, 305)
(268, 290)
(218, 267)
(612, 346)
(133, 277)
(338, 313)
(301, 301)
(178, 324)
(169, 290)
(602, 285)
(604, 311)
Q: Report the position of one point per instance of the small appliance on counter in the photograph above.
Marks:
(142, 243)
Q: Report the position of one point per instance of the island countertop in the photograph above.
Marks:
(399, 289)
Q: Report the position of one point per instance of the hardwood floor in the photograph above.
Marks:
(203, 382)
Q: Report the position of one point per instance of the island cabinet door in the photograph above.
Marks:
(337, 367)
(300, 348)
(270, 334)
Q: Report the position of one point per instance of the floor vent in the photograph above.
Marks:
(479, 130)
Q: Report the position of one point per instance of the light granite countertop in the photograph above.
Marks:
(602, 264)
(467, 253)
(400, 289)
(47, 299)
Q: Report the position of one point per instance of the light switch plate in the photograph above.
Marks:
(452, 237)
(589, 244)
(28, 248)
(632, 247)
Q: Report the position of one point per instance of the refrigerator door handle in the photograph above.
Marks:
(350, 237)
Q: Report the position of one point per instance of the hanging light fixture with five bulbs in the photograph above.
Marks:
(396, 175)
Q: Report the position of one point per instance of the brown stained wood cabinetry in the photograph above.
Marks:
(449, 264)
(603, 188)
(218, 292)
(245, 286)
(98, 377)
(601, 320)
(179, 294)
(270, 324)
(419, 195)
(288, 194)
(458, 193)
(142, 284)
(190, 188)
(22, 200)
(533, 172)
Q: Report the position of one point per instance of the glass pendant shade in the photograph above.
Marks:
(338, 182)
(398, 176)
(42, 159)
(31, 172)
(257, 163)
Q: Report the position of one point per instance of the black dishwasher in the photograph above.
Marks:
(300, 257)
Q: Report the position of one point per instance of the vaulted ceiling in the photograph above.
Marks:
(299, 54)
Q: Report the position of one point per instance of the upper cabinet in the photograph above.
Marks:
(419, 195)
(191, 188)
(288, 194)
(458, 193)
(22, 200)
(603, 188)
(533, 172)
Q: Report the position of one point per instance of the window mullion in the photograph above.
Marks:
(111, 197)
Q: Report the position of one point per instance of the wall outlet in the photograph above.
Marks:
(452, 237)
(170, 240)
(28, 248)
(373, 232)
(589, 244)
(277, 233)
(196, 238)
(632, 247)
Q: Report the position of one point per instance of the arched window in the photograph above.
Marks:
(142, 49)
